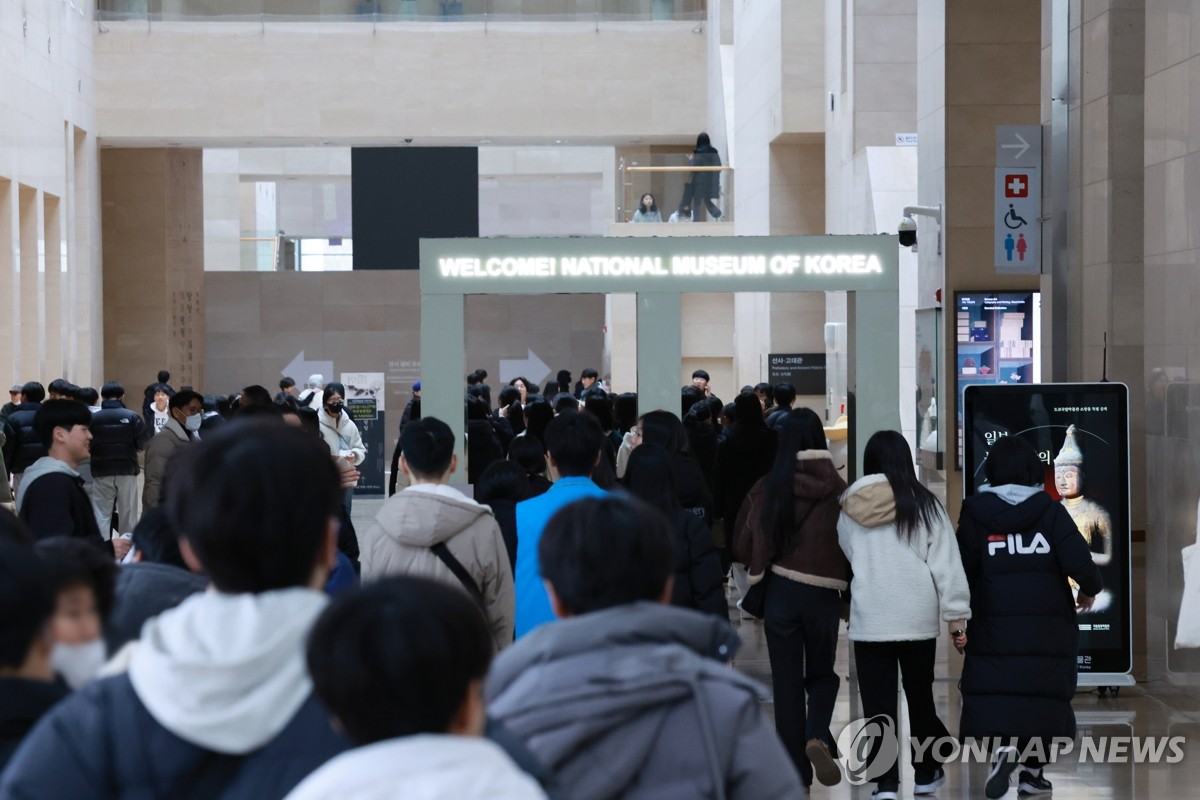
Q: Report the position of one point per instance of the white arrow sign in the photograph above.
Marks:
(1021, 148)
(299, 369)
(531, 367)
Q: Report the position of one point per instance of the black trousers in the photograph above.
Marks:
(801, 623)
(877, 664)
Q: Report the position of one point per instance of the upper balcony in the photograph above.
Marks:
(401, 10)
(254, 73)
(683, 189)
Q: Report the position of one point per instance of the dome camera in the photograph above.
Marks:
(907, 232)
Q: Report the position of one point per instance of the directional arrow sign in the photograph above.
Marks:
(299, 369)
(530, 367)
(1019, 146)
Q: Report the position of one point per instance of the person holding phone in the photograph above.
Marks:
(908, 581)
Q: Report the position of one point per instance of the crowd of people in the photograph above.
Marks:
(560, 629)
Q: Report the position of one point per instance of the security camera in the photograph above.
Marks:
(408, 141)
(907, 232)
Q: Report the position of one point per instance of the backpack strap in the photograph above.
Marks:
(441, 551)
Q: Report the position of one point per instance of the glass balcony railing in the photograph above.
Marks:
(682, 188)
(400, 10)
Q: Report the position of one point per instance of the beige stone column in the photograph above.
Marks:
(979, 66)
(53, 364)
(8, 282)
(153, 251)
(32, 328)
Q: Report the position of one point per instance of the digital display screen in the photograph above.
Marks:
(998, 342)
(1081, 433)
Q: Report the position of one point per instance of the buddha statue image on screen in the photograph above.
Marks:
(1092, 519)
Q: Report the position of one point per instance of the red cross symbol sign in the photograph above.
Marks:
(1016, 185)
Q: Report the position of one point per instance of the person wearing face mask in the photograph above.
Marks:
(27, 686)
(340, 432)
(83, 579)
(216, 700)
(180, 431)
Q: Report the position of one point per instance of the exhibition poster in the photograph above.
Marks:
(365, 405)
(1081, 433)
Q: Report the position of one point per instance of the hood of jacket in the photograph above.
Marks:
(816, 478)
(226, 672)
(421, 516)
(46, 465)
(112, 402)
(1002, 507)
(870, 502)
(1012, 493)
(176, 430)
(427, 766)
(594, 691)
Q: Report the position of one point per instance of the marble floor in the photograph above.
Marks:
(1145, 710)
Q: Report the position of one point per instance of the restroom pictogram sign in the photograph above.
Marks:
(1016, 185)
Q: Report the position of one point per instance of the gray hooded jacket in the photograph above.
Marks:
(635, 702)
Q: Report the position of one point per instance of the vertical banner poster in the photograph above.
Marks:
(365, 405)
(1081, 433)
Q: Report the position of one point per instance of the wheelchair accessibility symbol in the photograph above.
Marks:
(1012, 220)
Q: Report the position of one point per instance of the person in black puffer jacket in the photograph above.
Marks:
(501, 486)
(743, 456)
(1018, 548)
(22, 445)
(483, 446)
(698, 585)
(665, 430)
(117, 434)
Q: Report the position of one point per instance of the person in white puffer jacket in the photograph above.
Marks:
(908, 580)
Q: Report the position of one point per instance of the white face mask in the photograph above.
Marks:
(78, 663)
(193, 422)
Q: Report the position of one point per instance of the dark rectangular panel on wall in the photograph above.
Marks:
(401, 195)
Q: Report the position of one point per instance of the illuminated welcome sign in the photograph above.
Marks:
(811, 263)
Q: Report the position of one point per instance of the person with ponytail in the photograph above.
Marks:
(908, 583)
(786, 534)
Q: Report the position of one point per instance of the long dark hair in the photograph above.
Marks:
(664, 429)
(799, 430)
(538, 415)
(887, 454)
(650, 477)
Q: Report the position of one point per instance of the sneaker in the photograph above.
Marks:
(1033, 783)
(886, 792)
(936, 779)
(1003, 764)
(824, 766)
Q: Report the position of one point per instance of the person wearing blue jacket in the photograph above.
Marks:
(574, 443)
(215, 700)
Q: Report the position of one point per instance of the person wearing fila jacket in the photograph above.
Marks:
(1018, 548)
(908, 581)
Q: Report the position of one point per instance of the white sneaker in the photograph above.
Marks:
(1004, 763)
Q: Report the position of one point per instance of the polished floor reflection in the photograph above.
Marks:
(1145, 710)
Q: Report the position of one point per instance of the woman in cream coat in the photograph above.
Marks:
(908, 581)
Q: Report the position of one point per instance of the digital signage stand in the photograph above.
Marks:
(1081, 433)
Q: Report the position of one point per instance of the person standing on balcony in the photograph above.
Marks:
(706, 185)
